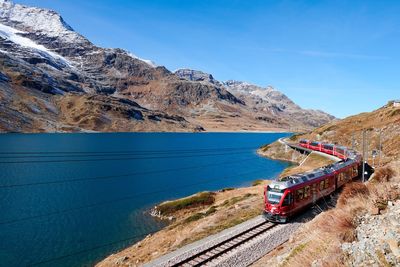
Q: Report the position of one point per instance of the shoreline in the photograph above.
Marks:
(152, 132)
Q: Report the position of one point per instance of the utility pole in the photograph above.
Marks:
(380, 148)
(363, 156)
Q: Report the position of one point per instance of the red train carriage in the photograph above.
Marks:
(317, 146)
(328, 148)
(288, 196)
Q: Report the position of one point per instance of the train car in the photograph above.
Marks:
(328, 148)
(314, 145)
(304, 143)
(340, 152)
(290, 195)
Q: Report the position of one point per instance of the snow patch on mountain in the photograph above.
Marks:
(12, 35)
(148, 62)
(38, 20)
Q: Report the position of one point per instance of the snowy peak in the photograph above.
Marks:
(38, 21)
(15, 36)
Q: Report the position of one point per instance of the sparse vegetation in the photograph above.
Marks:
(351, 190)
(234, 200)
(227, 189)
(200, 215)
(257, 182)
(200, 199)
(383, 174)
(313, 161)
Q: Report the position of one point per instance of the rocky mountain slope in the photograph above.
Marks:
(266, 104)
(45, 63)
(383, 124)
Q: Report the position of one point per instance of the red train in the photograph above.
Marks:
(290, 195)
(338, 151)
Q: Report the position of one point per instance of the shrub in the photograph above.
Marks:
(383, 174)
(341, 223)
(351, 190)
(227, 189)
(200, 199)
(257, 182)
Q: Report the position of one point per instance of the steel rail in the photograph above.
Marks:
(223, 247)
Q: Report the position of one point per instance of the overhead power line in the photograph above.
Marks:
(174, 151)
(124, 198)
(105, 177)
(121, 158)
(90, 249)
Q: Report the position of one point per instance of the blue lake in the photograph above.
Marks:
(73, 199)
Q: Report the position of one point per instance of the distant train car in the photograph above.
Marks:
(290, 195)
(304, 143)
(314, 145)
(328, 148)
(340, 152)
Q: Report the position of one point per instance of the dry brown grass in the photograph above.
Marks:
(313, 161)
(350, 191)
(385, 120)
(383, 174)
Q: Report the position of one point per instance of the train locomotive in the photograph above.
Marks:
(286, 197)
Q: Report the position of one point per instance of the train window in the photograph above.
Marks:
(327, 183)
(300, 194)
(287, 200)
(306, 191)
(321, 185)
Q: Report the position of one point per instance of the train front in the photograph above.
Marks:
(277, 200)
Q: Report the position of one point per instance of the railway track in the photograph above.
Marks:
(206, 256)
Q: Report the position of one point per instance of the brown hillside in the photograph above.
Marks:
(385, 120)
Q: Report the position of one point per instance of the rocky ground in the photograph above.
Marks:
(377, 239)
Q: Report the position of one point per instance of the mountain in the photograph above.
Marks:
(54, 79)
(266, 104)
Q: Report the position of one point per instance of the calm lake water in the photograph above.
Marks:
(73, 199)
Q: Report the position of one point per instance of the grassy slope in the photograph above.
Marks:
(385, 119)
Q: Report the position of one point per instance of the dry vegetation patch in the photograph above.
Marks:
(198, 200)
(313, 161)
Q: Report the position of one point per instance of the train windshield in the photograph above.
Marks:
(274, 196)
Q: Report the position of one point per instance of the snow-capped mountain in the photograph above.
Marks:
(52, 78)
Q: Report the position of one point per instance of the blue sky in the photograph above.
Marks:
(338, 56)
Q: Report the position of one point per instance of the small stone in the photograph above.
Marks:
(394, 247)
(121, 260)
(374, 211)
